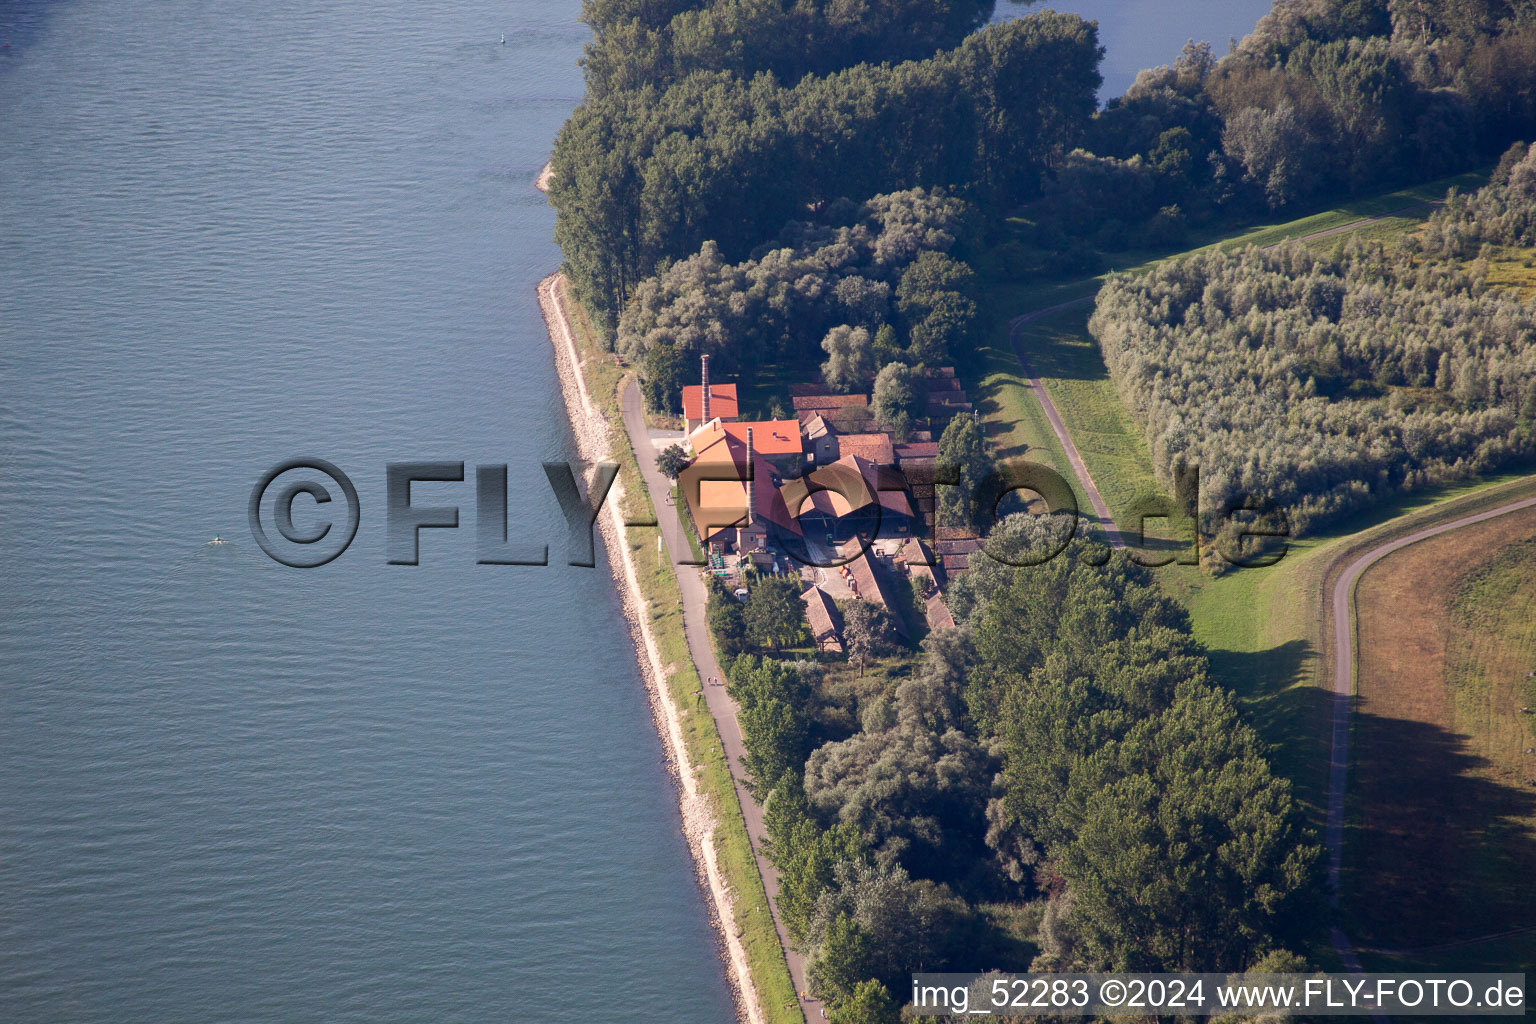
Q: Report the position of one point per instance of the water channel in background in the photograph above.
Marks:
(231, 233)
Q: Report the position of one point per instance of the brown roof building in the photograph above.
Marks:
(938, 613)
(825, 620)
(704, 401)
(715, 484)
(867, 583)
(916, 450)
(875, 448)
(852, 492)
(722, 402)
(818, 403)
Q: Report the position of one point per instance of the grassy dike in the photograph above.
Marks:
(749, 920)
(1263, 628)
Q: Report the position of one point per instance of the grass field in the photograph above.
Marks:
(1021, 295)
(1514, 268)
(1262, 627)
(1112, 446)
(664, 604)
(1013, 421)
(1442, 837)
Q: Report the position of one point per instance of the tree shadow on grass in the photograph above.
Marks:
(1436, 850)
(988, 404)
(1061, 347)
(1290, 715)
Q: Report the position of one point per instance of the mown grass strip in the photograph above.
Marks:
(664, 604)
(1262, 627)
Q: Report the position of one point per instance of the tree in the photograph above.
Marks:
(896, 399)
(850, 358)
(1189, 855)
(887, 345)
(672, 460)
(963, 459)
(936, 298)
(868, 1003)
(774, 726)
(867, 633)
(841, 961)
(775, 616)
(662, 377)
(930, 278)
(806, 855)
(946, 330)
(1276, 149)
(911, 780)
(875, 921)
(727, 622)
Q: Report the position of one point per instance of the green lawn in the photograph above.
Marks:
(1262, 627)
(1020, 296)
(1014, 423)
(1068, 361)
(664, 607)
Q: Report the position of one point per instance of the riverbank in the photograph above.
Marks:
(712, 816)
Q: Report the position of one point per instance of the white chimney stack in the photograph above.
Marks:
(705, 361)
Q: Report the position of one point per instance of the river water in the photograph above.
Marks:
(1140, 34)
(233, 233)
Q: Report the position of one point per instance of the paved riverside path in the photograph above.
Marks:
(1343, 604)
(690, 581)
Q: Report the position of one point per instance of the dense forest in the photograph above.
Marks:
(722, 122)
(1325, 97)
(657, 43)
(876, 284)
(651, 173)
(1317, 383)
(1060, 756)
(809, 183)
(1502, 214)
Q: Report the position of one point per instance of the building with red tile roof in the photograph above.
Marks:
(868, 584)
(916, 450)
(851, 496)
(722, 403)
(715, 486)
(769, 437)
(939, 616)
(812, 402)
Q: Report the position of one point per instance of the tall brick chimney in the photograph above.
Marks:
(705, 361)
(751, 491)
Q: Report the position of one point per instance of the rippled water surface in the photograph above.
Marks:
(1140, 34)
(231, 233)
